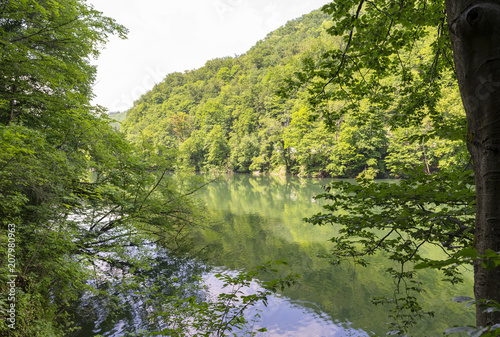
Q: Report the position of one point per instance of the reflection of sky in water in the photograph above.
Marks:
(283, 317)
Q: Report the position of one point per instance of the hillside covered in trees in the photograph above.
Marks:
(227, 115)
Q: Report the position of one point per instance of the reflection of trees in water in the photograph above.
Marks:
(259, 221)
(123, 305)
(255, 220)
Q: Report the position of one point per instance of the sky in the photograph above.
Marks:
(178, 35)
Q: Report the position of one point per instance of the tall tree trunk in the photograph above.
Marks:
(475, 34)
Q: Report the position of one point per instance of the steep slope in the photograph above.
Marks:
(226, 115)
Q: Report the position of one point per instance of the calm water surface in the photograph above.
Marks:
(261, 218)
(256, 219)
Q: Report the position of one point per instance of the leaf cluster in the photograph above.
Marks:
(393, 54)
(399, 217)
(403, 220)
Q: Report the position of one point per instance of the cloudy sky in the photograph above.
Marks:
(177, 35)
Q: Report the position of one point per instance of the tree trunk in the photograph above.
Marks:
(475, 34)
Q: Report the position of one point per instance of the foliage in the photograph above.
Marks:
(268, 133)
(74, 193)
(406, 80)
(401, 219)
(412, 47)
(217, 147)
(490, 260)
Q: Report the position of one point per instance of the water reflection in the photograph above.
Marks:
(282, 316)
(123, 307)
(261, 218)
(256, 219)
(285, 317)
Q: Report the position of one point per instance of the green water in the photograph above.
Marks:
(261, 218)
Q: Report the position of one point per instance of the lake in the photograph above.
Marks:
(254, 219)
(261, 218)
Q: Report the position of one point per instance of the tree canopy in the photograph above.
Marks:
(268, 133)
(74, 193)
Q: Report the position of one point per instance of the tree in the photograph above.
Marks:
(50, 137)
(217, 148)
(475, 35)
(74, 193)
(43, 65)
(415, 43)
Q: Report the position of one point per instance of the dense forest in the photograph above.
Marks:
(228, 115)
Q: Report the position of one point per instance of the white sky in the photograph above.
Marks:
(177, 35)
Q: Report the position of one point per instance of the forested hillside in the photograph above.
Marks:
(227, 115)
